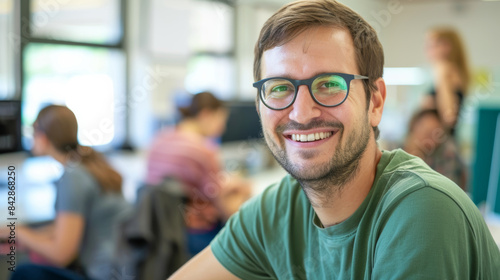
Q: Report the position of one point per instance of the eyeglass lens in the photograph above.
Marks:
(328, 90)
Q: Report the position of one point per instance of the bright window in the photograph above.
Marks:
(88, 80)
(212, 73)
(8, 45)
(211, 27)
(91, 21)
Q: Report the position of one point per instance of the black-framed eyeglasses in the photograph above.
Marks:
(327, 89)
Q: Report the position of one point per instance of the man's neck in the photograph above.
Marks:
(336, 206)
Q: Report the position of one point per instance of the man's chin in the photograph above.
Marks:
(306, 156)
(301, 164)
(305, 170)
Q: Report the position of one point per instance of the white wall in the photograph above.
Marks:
(401, 25)
(154, 72)
(477, 21)
(402, 35)
(250, 17)
(158, 66)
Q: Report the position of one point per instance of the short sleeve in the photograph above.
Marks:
(73, 191)
(425, 235)
(239, 245)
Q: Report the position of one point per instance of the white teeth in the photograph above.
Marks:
(310, 137)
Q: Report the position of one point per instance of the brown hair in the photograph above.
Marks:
(457, 54)
(420, 115)
(199, 102)
(59, 124)
(296, 17)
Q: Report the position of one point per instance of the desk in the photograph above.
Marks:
(35, 177)
(132, 166)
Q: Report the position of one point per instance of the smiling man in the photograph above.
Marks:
(347, 210)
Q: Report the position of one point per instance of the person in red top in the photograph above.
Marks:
(188, 154)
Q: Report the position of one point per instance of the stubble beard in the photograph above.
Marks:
(322, 183)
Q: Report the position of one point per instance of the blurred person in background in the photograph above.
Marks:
(79, 243)
(188, 154)
(447, 56)
(427, 139)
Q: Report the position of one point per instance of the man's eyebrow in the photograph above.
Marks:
(290, 77)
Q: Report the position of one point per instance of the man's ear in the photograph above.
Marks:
(377, 102)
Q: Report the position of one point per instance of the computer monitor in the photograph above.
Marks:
(10, 126)
(243, 123)
(485, 180)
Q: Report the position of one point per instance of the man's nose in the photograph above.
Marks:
(304, 108)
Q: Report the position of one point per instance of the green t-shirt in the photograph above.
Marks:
(414, 224)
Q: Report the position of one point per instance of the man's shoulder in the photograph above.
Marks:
(406, 171)
(413, 194)
(408, 185)
(404, 174)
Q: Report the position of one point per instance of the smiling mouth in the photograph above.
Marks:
(310, 137)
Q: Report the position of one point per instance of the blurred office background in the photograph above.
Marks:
(122, 65)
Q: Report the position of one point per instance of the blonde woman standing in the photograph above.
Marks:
(445, 50)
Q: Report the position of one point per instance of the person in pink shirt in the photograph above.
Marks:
(188, 154)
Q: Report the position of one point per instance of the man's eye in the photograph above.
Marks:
(331, 84)
(279, 88)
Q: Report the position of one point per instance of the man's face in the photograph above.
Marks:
(346, 127)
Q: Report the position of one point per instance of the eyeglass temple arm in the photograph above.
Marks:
(360, 77)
